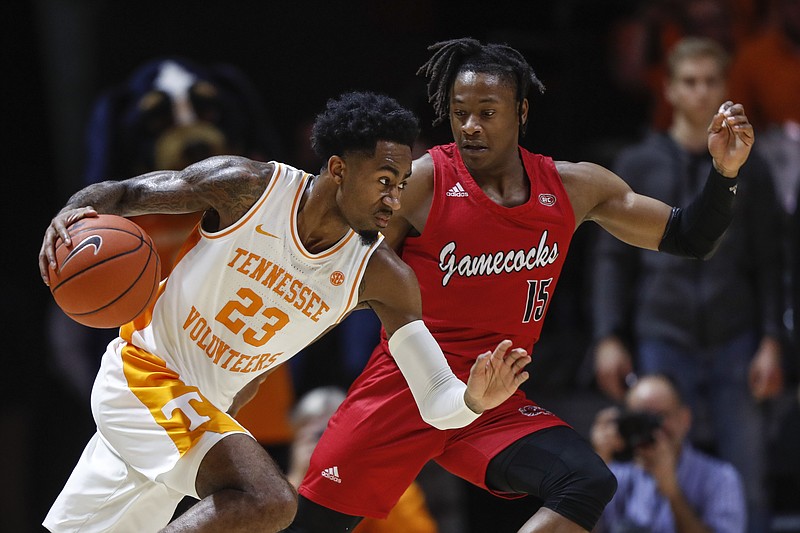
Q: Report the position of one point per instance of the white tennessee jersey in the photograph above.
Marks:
(245, 299)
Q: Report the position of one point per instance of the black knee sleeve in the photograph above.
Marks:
(314, 518)
(560, 468)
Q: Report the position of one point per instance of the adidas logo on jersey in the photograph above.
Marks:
(457, 190)
(332, 473)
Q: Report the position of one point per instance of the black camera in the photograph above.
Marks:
(637, 428)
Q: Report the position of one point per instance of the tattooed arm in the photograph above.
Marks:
(225, 187)
(227, 184)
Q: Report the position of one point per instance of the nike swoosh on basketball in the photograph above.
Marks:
(96, 241)
(262, 231)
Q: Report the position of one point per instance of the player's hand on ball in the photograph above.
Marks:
(495, 376)
(58, 230)
(107, 270)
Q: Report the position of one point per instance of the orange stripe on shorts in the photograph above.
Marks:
(182, 410)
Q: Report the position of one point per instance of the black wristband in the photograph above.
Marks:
(696, 230)
(722, 182)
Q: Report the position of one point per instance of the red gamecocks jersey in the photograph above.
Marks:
(488, 272)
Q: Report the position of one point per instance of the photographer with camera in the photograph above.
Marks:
(664, 484)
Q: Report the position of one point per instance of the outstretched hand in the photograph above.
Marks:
(495, 376)
(730, 138)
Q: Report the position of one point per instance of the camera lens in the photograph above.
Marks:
(637, 429)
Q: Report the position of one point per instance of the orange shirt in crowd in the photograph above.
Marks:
(410, 515)
(765, 78)
(266, 416)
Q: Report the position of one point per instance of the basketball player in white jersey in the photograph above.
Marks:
(279, 257)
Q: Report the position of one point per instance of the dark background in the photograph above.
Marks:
(59, 55)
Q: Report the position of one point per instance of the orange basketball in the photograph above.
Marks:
(109, 275)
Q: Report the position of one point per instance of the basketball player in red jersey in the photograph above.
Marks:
(486, 226)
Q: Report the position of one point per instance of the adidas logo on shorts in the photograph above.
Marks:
(332, 473)
(457, 190)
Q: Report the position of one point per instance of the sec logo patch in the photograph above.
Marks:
(547, 199)
(337, 278)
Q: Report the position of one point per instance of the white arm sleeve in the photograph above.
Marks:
(438, 392)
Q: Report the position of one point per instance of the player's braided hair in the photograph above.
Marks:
(356, 121)
(458, 55)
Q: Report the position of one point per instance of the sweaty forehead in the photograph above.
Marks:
(491, 84)
(392, 156)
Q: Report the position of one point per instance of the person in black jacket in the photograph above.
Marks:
(714, 325)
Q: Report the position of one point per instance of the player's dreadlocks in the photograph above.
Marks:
(467, 54)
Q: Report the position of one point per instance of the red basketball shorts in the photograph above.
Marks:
(376, 443)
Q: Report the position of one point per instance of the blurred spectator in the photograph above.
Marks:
(765, 75)
(310, 417)
(794, 239)
(714, 324)
(780, 145)
(642, 39)
(784, 456)
(666, 486)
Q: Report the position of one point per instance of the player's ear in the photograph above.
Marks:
(336, 166)
(523, 111)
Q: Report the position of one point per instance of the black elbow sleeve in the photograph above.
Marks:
(696, 230)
